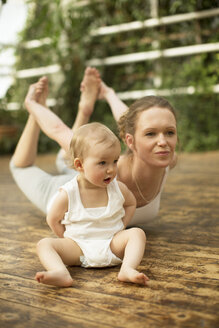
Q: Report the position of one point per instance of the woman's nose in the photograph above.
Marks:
(161, 140)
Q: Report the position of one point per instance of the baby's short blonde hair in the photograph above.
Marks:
(88, 136)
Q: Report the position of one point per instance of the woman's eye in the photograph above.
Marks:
(170, 133)
(116, 160)
(150, 134)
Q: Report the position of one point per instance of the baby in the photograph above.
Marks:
(90, 214)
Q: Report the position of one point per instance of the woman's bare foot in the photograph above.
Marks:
(31, 94)
(42, 90)
(60, 278)
(131, 275)
(38, 92)
(89, 91)
(104, 90)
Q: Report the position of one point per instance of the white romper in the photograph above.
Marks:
(93, 228)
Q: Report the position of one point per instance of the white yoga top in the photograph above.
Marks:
(148, 212)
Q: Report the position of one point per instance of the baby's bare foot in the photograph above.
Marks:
(60, 278)
(89, 90)
(131, 275)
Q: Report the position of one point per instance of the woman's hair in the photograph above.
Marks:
(88, 136)
(127, 122)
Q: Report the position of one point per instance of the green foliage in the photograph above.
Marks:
(71, 46)
(198, 119)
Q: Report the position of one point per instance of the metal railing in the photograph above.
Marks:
(132, 57)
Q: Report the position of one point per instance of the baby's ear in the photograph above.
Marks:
(78, 164)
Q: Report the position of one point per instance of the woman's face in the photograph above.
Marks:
(155, 137)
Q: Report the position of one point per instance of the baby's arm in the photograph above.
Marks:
(57, 212)
(118, 107)
(129, 204)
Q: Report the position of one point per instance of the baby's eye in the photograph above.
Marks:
(116, 160)
(102, 163)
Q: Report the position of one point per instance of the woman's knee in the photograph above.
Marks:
(16, 165)
(19, 163)
(12, 165)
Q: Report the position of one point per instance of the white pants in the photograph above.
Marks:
(39, 186)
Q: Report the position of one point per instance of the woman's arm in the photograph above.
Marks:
(118, 107)
(48, 121)
(129, 204)
(57, 212)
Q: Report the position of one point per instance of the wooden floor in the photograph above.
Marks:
(181, 259)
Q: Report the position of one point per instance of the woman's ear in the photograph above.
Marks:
(78, 164)
(129, 140)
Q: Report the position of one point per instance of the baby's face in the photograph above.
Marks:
(100, 164)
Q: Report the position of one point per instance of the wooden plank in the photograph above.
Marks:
(115, 311)
(181, 259)
(18, 315)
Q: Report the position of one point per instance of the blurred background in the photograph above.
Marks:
(161, 47)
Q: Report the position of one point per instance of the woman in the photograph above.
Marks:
(148, 128)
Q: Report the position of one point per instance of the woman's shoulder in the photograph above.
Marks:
(124, 161)
(122, 158)
(174, 161)
(123, 167)
(124, 171)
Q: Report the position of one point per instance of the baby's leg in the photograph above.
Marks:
(54, 255)
(130, 244)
